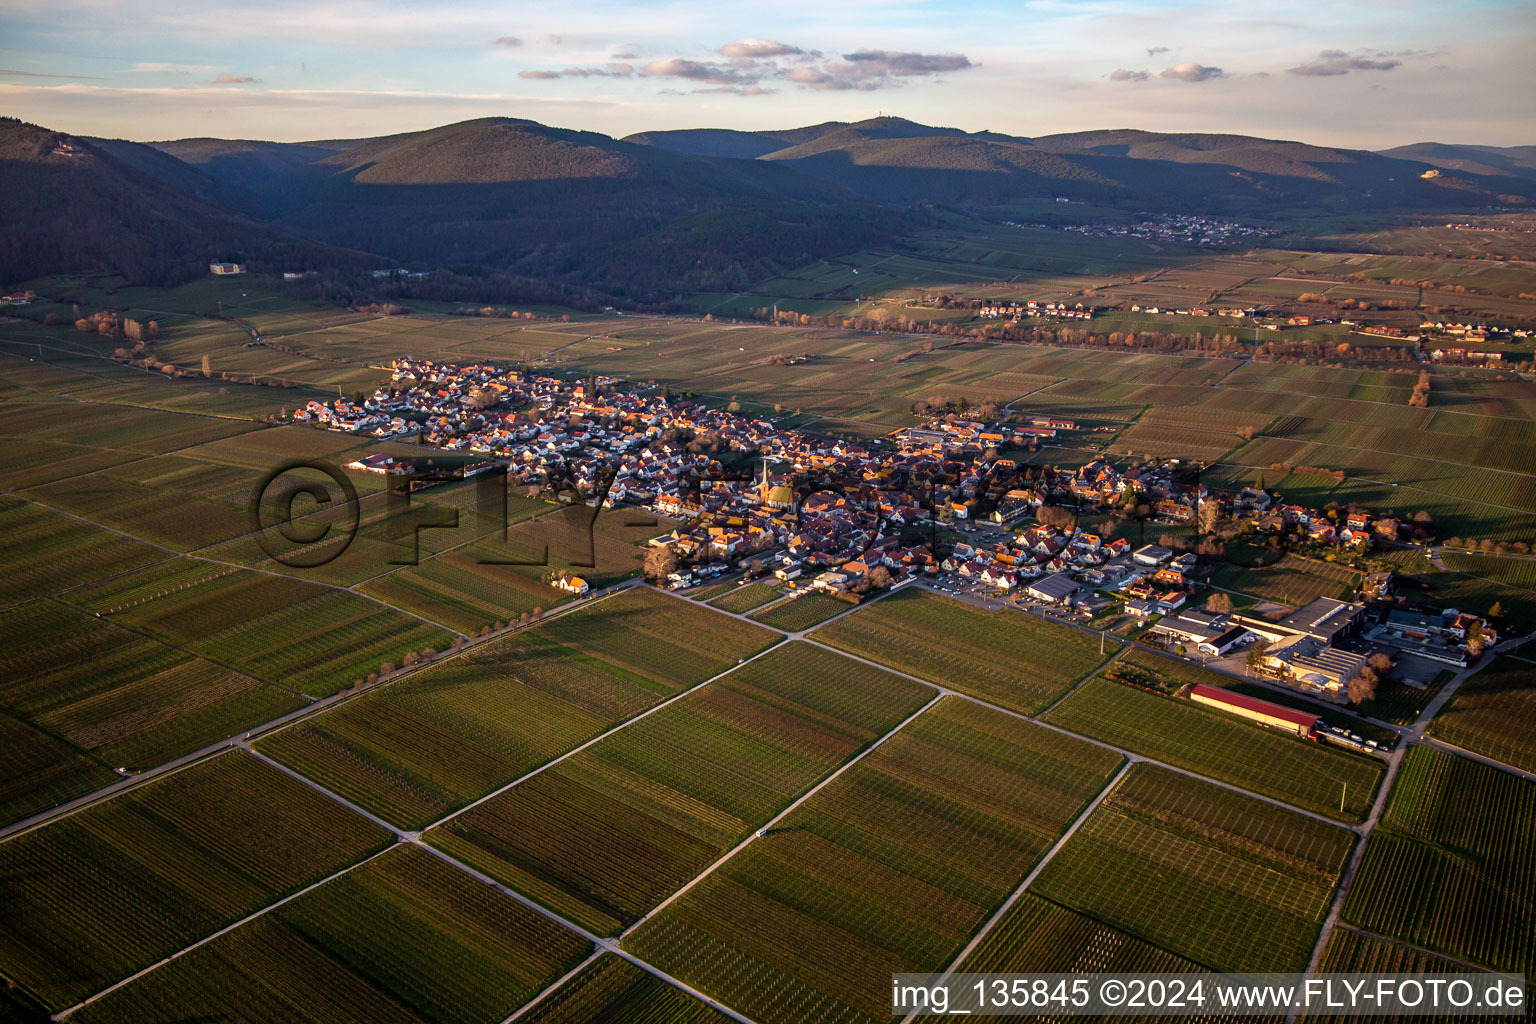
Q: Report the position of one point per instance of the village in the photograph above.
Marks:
(949, 504)
(1189, 229)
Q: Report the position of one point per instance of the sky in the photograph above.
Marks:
(1363, 73)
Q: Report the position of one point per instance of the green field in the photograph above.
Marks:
(1220, 878)
(801, 613)
(1143, 668)
(419, 748)
(612, 990)
(305, 636)
(45, 552)
(405, 937)
(1494, 714)
(127, 699)
(743, 599)
(1224, 747)
(1401, 704)
(462, 592)
(1480, 582)
(1292, 580)
(605, 835)
(1038, 936)
(38, 770)
(1450, 867)
(110, 889)
(891, 867)
(1351, 952)
(1019, 661)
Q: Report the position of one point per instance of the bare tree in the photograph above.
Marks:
(660, 562)
(1363, 686)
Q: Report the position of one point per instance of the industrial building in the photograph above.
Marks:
(1192, 627)
(1219, 645)
(1325, 619)
(1312, 664)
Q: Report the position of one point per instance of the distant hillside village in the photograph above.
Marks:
(949, 501)
(1186, 229)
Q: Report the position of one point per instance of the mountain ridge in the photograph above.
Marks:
(509, 195)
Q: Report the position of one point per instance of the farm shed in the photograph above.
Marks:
(1152, 554)
(1302, 723)
(1058, 589)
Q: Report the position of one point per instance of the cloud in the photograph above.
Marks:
(611, 71)
(626, 55)
(1339, 62)
(1122, 75)
(907, 64)
(1153, 51)
(227, 79)
(867, 70)
(755, 48)
(753, 64)
(1189, 71)
(697, 71)
(739, 90)
(815, 78)
(160, 67)
(11, 73)
(507, 41)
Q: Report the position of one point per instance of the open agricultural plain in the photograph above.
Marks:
(1450, 869)
(606, 834)
(1491, 714)
(888, 868)
(1022, 665)
(1331, 782)
(417, 782)
(1214, 876)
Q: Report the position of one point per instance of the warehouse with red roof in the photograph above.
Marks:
(1302, 723)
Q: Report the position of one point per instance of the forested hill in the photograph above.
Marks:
(68, 204)
(644, 218)
(895, 160)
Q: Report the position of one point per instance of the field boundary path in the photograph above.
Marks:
(613, 945)
(616, 728)
(768, 826)
(1363, 836)
(413, 838)
(110, 790)
(1023, 887)
(1129, 755)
